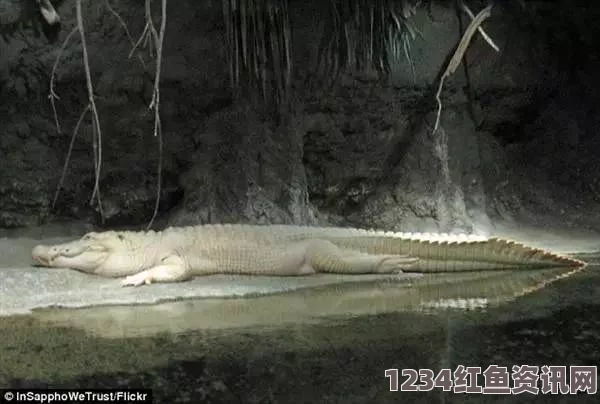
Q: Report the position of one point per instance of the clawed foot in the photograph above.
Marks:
(396, 264)
(137, 279)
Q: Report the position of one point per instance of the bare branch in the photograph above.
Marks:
(118, 17)
(140, 39)
(149, 36)
(480, 29)
(68, 158)
(158, 38)
(52, 96)
(458, 55)
(96, 121)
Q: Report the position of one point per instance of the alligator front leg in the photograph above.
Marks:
(171, 269)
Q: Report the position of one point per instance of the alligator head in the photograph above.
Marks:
(108, 253)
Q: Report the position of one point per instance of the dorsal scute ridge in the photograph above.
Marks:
(284, 230)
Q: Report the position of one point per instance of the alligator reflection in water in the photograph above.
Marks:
(469, 290)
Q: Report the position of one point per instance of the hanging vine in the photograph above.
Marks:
(259, 46)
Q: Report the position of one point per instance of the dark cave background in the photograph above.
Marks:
(354, 150)
(522, 125)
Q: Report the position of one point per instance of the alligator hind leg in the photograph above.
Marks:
(327, 257)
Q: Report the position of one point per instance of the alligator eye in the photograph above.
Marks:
(120, 236)
(86, 237)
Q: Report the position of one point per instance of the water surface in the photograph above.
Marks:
(330, 344)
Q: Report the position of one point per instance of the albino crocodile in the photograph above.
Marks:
(180, 253)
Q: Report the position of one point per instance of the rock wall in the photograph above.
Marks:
(514, 143)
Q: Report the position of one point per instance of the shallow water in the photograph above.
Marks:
(327, 344)
(339, 359)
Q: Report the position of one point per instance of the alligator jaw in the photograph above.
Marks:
(70, 255)
(42, 254)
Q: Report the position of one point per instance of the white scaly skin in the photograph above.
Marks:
(178, 254)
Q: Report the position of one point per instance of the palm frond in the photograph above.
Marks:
(365, 35)
(259, 46)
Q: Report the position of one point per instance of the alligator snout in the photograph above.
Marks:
(43, 254)
(47, 254)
